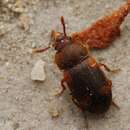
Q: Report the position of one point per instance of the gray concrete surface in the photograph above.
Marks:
(29, 105)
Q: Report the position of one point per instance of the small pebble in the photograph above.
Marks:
(38, 71)
(54, 112)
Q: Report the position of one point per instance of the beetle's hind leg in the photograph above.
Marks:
(115, 105)
(108, 69)
(77, 104)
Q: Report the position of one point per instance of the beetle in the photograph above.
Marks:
(91, 90)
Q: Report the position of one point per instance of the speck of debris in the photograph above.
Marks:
(25, 21)
(54, 112)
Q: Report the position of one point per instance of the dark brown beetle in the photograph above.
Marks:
(90, 89)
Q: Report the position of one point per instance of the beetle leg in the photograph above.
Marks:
(63, 87)
(115, 105)
(77, 104)
(39, 50)
(108, 69)
(63, 81)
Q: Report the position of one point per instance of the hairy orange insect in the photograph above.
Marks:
(101, 33)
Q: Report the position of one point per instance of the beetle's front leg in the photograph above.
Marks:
(108, 69)
(39, 50)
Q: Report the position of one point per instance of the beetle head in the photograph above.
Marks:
(60, 40)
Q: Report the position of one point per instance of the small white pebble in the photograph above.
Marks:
(38, 71)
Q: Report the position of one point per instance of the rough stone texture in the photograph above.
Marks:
(25, 104)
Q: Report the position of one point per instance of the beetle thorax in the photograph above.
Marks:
(71, 55)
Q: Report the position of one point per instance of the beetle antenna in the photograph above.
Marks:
(63, 24)
(39, 50)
